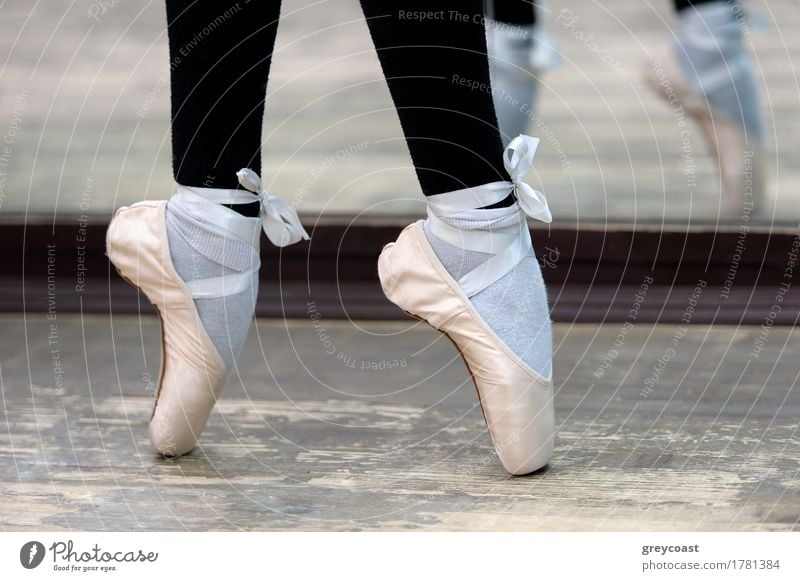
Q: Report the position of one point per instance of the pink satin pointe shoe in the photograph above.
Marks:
(192, 373)
(517, 401)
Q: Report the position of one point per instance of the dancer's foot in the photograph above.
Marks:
(707, 72)
(471, 273)
(197, 261)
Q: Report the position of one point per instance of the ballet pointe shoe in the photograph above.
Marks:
(192, 373)
(517, 402)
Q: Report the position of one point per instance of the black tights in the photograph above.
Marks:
(524, 11)
(220, 54)
(220, 57)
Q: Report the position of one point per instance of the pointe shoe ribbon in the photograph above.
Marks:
(280, 220)
(508, 249)
(518, 160)
(277, 217)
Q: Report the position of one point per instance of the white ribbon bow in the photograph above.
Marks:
(280, 220)
(518, 160)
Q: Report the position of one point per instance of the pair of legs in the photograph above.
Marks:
(218, 89)
(469, 269)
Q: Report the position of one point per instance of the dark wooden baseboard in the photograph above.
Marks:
(596, 273)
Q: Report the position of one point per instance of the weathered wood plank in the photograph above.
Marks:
(305, 441)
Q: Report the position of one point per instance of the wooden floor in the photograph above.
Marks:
(374, 426)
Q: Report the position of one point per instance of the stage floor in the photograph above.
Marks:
(336, 425)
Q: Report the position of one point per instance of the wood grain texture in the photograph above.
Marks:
(374, 426)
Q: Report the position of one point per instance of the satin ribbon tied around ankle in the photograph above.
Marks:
(280, 220)
(277, 217)
(518, 161)
(469, 205)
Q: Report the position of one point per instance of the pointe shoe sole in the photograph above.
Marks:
(192, 372)
(516, 401)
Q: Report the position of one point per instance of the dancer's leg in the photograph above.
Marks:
(711, 52)
(707, 68)
(455, 145)
(682, 4)
(220, 54)
(433, 54)
(520, 12)
(196, 256)
(435, 66)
